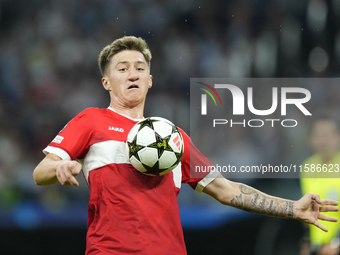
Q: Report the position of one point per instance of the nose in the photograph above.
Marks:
(133, 74)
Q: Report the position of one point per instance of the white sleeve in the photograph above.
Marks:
(206, 180)
(57, 151)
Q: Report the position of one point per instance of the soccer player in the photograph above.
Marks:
(325, 141)
(128, 212)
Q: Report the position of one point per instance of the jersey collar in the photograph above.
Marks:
(110, 108)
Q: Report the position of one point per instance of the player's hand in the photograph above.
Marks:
(66, 172)
(308, 210)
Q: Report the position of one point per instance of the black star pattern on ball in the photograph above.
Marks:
(178, 156)
(154, 170)
(174, 129)
(134, 148)
(161, 144)
(147, 123)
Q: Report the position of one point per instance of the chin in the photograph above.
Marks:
(134, 102)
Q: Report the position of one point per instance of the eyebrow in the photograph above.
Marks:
(127, 62)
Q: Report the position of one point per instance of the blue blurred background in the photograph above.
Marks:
(49, 73)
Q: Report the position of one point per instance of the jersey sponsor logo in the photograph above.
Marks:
(117, 129)
(58, 139)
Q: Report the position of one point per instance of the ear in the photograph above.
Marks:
(150, 81)
(106, 83)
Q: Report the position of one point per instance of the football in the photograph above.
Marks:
(155, 146)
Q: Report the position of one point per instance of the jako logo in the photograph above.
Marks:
(238, 99)
(204, 97)
(118, 129)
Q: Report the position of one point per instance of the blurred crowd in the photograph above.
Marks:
(49, 73)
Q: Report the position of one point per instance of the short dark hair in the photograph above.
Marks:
(124, 43)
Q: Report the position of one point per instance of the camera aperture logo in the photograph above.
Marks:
(204, 97)
(238, 107)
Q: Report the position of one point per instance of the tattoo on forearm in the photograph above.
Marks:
(246, 189)
(290, 209)
(271, 205)
(254, 201)
(263, 204)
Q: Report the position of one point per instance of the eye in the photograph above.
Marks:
(140, 69)
(122, 69)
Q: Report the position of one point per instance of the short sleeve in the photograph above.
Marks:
(191, 158)
(72, 141)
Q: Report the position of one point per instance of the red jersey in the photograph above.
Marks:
(128, 212)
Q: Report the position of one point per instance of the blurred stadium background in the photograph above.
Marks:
(49, 73)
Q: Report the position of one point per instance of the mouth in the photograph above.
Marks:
(133, 86)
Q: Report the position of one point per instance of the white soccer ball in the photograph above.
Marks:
(155, 146)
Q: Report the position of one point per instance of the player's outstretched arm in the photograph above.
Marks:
(241, 196)
(53, 169)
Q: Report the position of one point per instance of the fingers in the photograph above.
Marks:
(319, 225)
(328, 218)
(72, 181)
(329, 209)
(317, 199)
(75, 168)
(328, 202)
(66, 172)
(66, 178)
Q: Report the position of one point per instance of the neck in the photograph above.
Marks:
(135, 112)
(326, 158)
